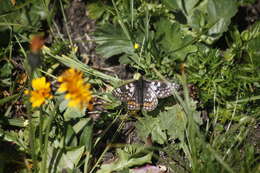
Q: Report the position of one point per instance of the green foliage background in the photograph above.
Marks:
(192, 42)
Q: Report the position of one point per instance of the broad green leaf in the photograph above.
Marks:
(64, 160)
(80, 125)
(70, 138)
(23, 19)
(86, 137)
(173, 41)
(158, 135)
(96, 9)
(68, 170)
(174, 122)
(72, 113)
(6, 70)
(75, 155)
(145, 126)
(207, 18)
(125, 59)
(14, 122)
(219, 16)
(112, 40)
(150, 126)
(197, 20)
(190, 4)
(64, 103)
(124, 161)
(172, 4)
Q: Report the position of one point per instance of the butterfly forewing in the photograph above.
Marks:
(163, 89)
(125, 92)
(143, 94)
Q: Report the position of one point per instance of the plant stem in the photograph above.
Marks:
(45, 152)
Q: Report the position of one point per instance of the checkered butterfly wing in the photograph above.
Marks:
(145, 94)
(150, 100)
(154, 90)
(163, 89)
(128, 93)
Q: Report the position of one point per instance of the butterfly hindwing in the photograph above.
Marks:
(127, 93)
(144, 94)
(133, 105)
(150, 100)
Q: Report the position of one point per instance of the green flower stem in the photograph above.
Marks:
(41, 130)
(46, 139)
(99, 159)
(31, 137)
(86, 164)
(120, 21)
(253, 98)
(31, 130)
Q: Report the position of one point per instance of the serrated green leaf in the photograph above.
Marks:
(125, 161)
(158, 135)
(23, 19)
(145, 126)
(20, 138)
(171, 38)
(174, 122)
(150, 126)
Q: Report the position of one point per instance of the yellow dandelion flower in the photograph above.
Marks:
(77, 91)
(136, 45)
(41, 91)
(68, 79)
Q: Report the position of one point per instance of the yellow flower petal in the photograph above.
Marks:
(41, 91)
(26, 92)
(136, 46)
(77, 92)
(38, 83)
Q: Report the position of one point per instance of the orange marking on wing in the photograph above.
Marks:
(148, 104)
(131, 103)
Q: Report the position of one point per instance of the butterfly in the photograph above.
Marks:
(143, 94)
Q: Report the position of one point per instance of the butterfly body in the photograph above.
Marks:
(143, 94)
